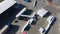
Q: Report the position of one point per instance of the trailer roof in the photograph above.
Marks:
(4, 5)
(42, 12)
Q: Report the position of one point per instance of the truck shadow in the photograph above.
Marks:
(47, 15)
(13, 29)
(28, 12)
(34, 23)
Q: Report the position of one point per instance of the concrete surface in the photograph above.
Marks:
(42, 22)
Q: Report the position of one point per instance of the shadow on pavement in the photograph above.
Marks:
(47, 15)
(23, 18)
(28, 12)
(34, 22)
(53, 22)
(13, 29)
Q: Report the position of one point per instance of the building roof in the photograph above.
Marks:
(4, 5)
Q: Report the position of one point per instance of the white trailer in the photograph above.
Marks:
(24, 26)
(22, 11)
(41, 30)
(41, 12)
(28, 22)
(26, 16)
(29, 16)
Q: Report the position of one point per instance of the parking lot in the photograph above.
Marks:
(42, 22)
